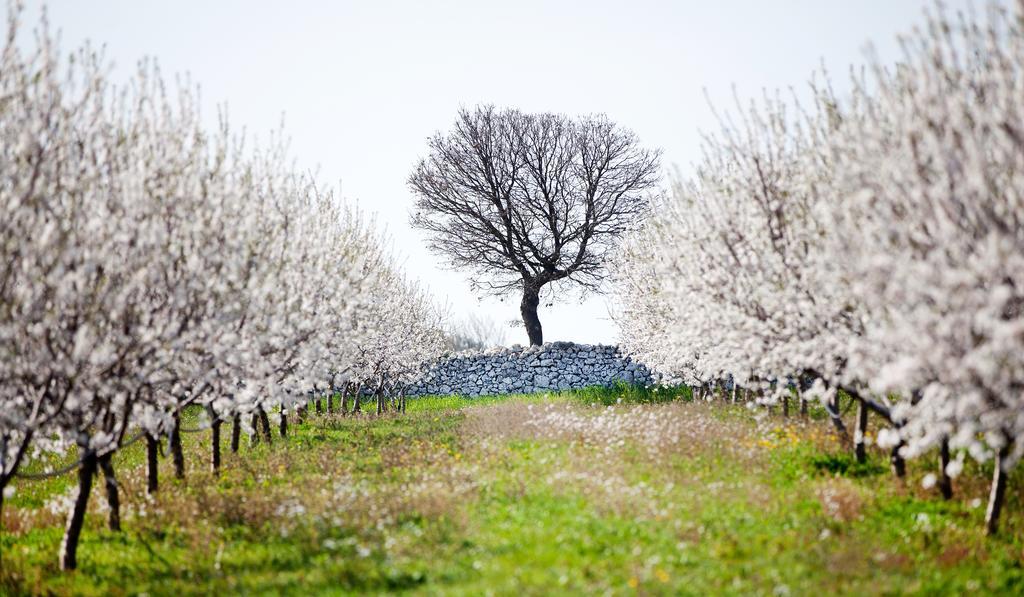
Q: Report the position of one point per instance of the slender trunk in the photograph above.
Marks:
(859, 446)
(73, 530)
(344, 398)
(357, 401)
(265, 425)
(803, 401)
(330, 402)
(215, 445)
(998, 491)
(152, 470)
(113, 496)
(318, 407)
(283, 424)
(528, 309)
(177, 455)
(945, 483)
(402, 401)
(899, 466)
(837, 421)
(236, 432)
(254, 422)
(785, 405)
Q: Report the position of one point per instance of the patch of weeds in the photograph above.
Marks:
(845, 465)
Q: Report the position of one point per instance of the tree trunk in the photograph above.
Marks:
(282, 426)
(899, 466)
(152, 470)
(803, 401)
(837, 421)
(528, 309)
(215, 445)
(318, 406)
(998, 492)
(175, 443)
(859, 446)
(265, 425)
(69, 545)
(357, 402)
(785, 406)
(236, 432)
(344, 398)
(945, 483)
(254, 422)
(113, 497)
(330, 402)
(380, 396)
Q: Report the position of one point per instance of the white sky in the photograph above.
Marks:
(361, 85)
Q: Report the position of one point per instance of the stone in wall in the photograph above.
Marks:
(515, 370)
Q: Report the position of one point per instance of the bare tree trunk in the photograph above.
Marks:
(330, 402)
(837, 420)
(113, 496)
(236, 432)
(899, 466)
(73, 530)
(344, 398)
(803, 401)
(254, 422)
(283, 424)
(357, 402)
(215, 445)
(528, 309)
(265, 425)
(402, 401)
(859, 446)
(998, 491)
(945, 483)
(785, 405)
(318, 407)
(152, 465)
(177, 455)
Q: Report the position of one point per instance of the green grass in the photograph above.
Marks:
(467, 496)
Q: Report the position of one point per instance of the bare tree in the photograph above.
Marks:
(475, 332)
(524, 200)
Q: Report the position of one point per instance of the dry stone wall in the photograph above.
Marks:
(553, 366)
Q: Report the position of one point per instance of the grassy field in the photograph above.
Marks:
(569, 493)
